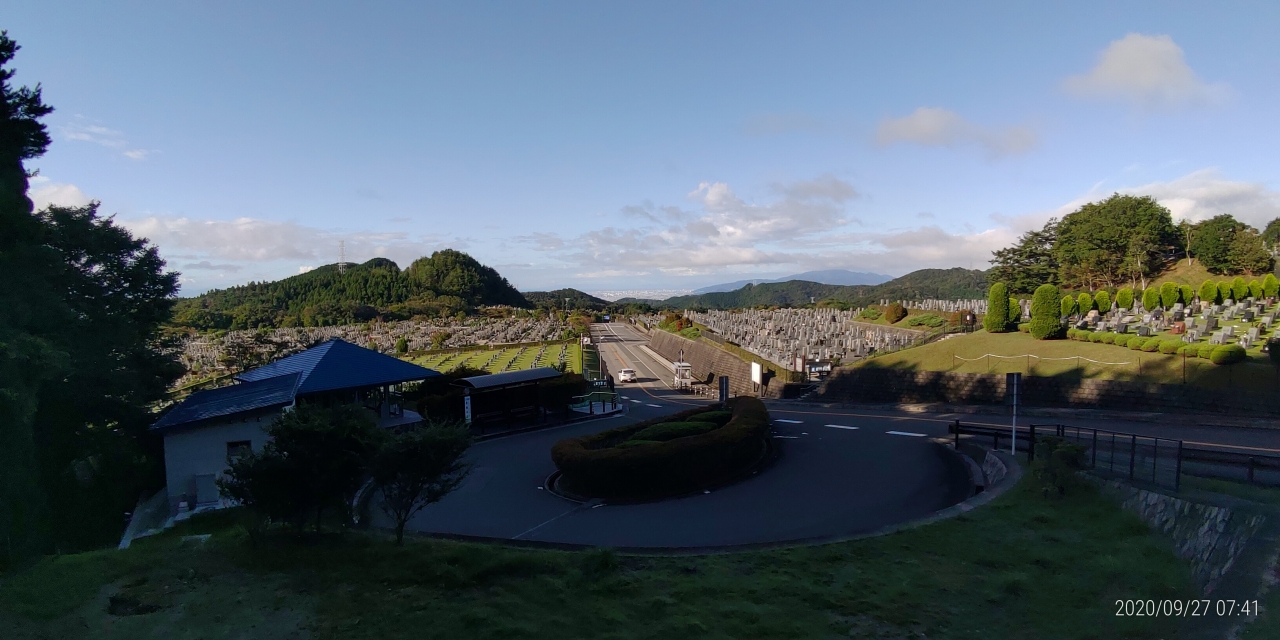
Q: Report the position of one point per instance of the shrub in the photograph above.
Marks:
(1056, 464)
(1015, 312)
(1151, 298)
(1095, 337)
(664, 431)
(1024, 327)
(1270, 285)
(1109, 338)
(1102, 300)
(1170, 347)
(1239, 289)
(927, 320)
(1188, 294)
(1224, 291)
(718, 418)
(894, 313)
(1122, 339)
(1255, 289)
(1169, 293)
(1227, 354)
(1136, 343)
(1152, 345)
(594, 465)
(1189, 350)
(1072, 333)
(996, 320)
(1205, 350)
(1084, 303)
(1209, 292)
(1124, 298)
(1068, 306)
(870, 313)
(1045, 322)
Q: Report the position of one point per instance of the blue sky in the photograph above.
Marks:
(644, 145)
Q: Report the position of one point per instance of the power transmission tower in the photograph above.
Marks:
(342, 256)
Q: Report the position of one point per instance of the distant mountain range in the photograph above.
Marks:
(826, 276)
(948, 284)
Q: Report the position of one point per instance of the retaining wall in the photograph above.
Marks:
(709, 363)
(878, 385)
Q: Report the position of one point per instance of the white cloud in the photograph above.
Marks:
(938, 127)
(305, 268)
(1148, 72)
(138, 154)
(81, 130)
(44, 192)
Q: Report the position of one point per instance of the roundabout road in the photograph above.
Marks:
(838, 475)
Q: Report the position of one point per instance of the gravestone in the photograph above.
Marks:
(1122, 327)
(1216, 338)
(1144, 331)
(1178, 328)
(1210, 324)
(1247, 316)
(1245, 341)
(1229, 331)
(1253, 333)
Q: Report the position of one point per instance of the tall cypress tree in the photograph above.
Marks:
(997, 318)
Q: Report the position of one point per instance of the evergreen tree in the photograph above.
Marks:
(1270, 285)
(1084, 303)
(1209, 292)
(1102, 300)
(1151, 298)
(1029, 262)
(1169, 293)
(997, 318)
(1045, 323)
(1068, 306)
(1124, 298)
(1121, 237)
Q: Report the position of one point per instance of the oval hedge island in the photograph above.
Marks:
(671, 456)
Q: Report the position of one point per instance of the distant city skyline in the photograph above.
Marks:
(656, 146)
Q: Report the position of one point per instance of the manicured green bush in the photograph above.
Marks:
(894, 313)
(1270, 285)
(664, 431)
(1228, 354)
(1072, 332)
(1095, 337)
(1124, 298)
(1121, 339)
(1045, 322)
(1015, 312)
(1084, 303)
(634, 443)
(1102, 301)
(718, 418)
(1188, 350)
(1024, 327)
(1068, 306)
(1224, 291)
(1188, 294)
(1255, 289)
(1152, 345)
(870, 313)
(1109, 338)
(1137, 343)
(595, 466)
(1205, 350)
(997, 318)
(1169, 294)
(1151, 298)
(1209, 292)
(926, 320)
(1239, 289)
(1170, 347)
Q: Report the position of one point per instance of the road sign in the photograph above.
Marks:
(724, 388)
(466, 408)
(1013, 385)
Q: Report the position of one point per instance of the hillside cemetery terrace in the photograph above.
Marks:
(782, 335)
(1246, 323)
(507, 358)
(208, 355)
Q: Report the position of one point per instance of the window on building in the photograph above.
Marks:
(239, 449)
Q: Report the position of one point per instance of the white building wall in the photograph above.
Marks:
(202, 451)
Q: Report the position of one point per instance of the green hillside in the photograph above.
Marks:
(445, 283)
(956, 283)
(556, 299)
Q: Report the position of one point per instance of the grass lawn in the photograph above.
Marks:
(499, 359)
(1255, 374)
(1020, 567)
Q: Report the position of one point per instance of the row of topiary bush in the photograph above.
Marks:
(1216, 353)
(664, 457)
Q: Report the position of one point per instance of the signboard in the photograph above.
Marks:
(724, 389)
(606, 318)
(757, 373)
(466, 408)
(1013, 384)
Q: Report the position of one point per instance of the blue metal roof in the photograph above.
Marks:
(238, 398)
(338, 364)
(506, 378)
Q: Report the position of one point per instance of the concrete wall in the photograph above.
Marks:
(876, 385)
(709, 363)
(202, 451)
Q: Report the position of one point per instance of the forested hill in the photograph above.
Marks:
(949, 284)
(556, 299)
(445, 283)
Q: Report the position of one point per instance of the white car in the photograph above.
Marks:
(627, 375)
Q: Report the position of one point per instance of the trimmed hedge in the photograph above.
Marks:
(1224, 290)
(1209, 292)
(1045, 323)
(1137, 343)
(1189, 350)
(997, 318)
(1239, 288)
(718, 418)
(1169, 293)
(1095, 337)
(1152, 345)
(664, 431)
(1255, 288)
(1206, 350)
(1084, 302)
(1151, 298)
(1121, 340)
(1188, 294)
(595, 466)
(1170, 347)
(1270, 285)
(1124, 298)
(1068, 306)
(1227, 354)
(1109, 338)
(1025, 327)
(1102, 301)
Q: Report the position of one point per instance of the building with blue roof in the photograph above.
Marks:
(209, 427)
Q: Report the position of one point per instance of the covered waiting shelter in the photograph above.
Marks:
(500, 397)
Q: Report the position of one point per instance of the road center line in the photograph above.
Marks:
(788, 421)
(905, 433)
(840, 426)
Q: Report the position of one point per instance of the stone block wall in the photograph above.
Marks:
(709, 363)
(877, 385)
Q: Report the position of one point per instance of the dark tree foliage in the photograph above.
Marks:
(1120, 238)
(955, 283)
(1211, 242)
(418, 467)
(1271, 234)
(1247, 253)
(557, 300)
(444, 284)
(1029, 263)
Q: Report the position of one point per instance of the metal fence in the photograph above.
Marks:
(1134, 457)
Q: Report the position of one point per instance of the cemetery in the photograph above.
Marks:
(505, 358)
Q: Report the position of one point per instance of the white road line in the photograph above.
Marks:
(653, 405)
(905, 433)
(840, 426)
(625, 397)
(636, 401)
(789, 437)
(789, 421)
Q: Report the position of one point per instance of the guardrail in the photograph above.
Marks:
(1131, 456)
(608, 401)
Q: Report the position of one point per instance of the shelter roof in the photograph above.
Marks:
(225, 401)
(508, 378)
(338, 364)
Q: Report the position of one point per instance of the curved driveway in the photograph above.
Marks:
(837, 475)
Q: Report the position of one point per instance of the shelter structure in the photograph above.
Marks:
(207, 429)
(503, 397)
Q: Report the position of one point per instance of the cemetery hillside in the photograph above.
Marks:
(925, 283)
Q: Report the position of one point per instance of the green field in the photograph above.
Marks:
(946, 355)
(1021, 567)
(497, 360)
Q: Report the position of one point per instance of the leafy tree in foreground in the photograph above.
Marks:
(418, 467)
(1045, 322)
(997, 318)
(1124, 298)
(1121, 237)
(1029, 263)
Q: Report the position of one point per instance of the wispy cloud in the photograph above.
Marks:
(1148, 72)
(939, 127)
(81, 129)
